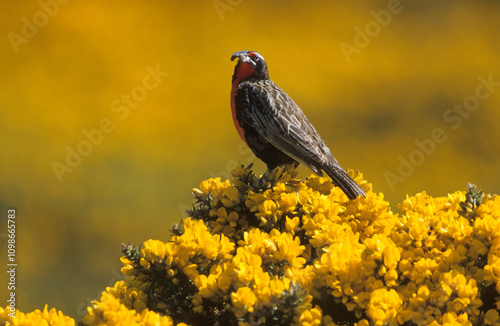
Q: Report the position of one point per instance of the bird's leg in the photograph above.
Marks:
(271, 177)
(265, 181)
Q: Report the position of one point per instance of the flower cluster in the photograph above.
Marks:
(275, 250)
(37, 317)
(124, 304)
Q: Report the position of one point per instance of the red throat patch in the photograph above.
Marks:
(245, 70)
(240, 130)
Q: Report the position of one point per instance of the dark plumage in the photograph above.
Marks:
(275, 128)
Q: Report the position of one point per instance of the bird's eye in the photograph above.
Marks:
(254, 56)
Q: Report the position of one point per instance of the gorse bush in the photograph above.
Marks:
(276, 250)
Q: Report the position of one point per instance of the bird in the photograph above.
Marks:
(275, 128)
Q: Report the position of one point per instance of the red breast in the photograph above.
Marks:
(244, 71)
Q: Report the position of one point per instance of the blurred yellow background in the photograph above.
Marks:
(133, 99)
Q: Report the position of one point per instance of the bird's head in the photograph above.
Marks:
(250, 65)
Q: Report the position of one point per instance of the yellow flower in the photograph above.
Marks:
(153, 250)
(231, 197)
(130, 293)
(492, 317)
(277, 286)
(151, 318)
(225, 280)
(243, 301)
(198, 240)
(261, 286)
(292, 224)
(268, 213)
(320, 184)
(254, 200)
(211, 187)
(311, 317)
(369, 215)
(208, 285)
(384, 306)
(452, 319)
(290, 250)
(246, 264)
(288, 202)
(418, 226)
(37, 317)
(380, 247)
(123, 305)
(341, 263)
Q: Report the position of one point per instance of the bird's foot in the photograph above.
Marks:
(266, 181)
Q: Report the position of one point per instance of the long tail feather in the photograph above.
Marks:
(342, 180)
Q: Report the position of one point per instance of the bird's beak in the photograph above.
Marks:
(242, 55)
